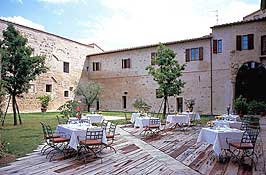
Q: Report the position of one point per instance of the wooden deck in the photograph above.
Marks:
(171, 152)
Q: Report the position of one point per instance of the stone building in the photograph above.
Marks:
(219, 67)
(65, 59)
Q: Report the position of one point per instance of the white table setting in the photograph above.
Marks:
(227, 123)
(230, 117)
(192, 115)
(217, 137)
(95, 118)
(142, 122)
(77, 132)
(178, 119)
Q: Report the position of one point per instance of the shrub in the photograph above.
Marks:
(141, 105)
(256, 107)
(45, 99)
(190, 104)
(69, 108)
(240, 105)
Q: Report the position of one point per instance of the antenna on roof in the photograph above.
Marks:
(216, 15)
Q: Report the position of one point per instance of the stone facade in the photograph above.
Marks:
(213, 93)
(57, 51)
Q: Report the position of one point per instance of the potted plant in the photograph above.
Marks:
(45, 99)
(190, 104)
(241, 106)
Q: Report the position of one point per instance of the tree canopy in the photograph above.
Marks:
(19, 67)
(167, 72)
(89, 91)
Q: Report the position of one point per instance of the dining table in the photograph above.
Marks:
(192, 115)
(95, 118)
(227, 123)
(142, 122)
(77, 132)
(178, 119)
(216, 136)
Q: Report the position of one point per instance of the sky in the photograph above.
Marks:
(116, 24)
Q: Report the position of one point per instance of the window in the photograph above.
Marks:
(66, 94)
(96, 66)
(153, 58)
(66, 67)
(125, 63)
(124, 99)
(217, 46)
(245, 42)
(48, 88)
(220, 46)
(179, 104)
(158, 93)
(194, 54)
(263, 45)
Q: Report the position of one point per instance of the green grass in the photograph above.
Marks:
(22, 139)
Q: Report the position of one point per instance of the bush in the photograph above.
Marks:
(256, 107)
(69, 108)
(141, 105)
(240, 105)
(45, 99)
(190, 104)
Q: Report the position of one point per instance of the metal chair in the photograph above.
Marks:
(104, 124)
(110, 135)
(59, 144)
(92, 143)
(153, 127)
(47, 138)
(245, 147)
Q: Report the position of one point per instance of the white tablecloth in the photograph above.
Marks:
(192, 115)
(77, 132)
(218, 137)
(143, 121)
(134, 116)
(95, 118)
(231, 124)
(75, 119)
(180, 119)
(231, 117)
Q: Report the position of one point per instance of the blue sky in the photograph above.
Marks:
(114, 24)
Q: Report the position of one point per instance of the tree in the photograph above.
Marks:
(166, 73)
(18, 66)
(90, 92)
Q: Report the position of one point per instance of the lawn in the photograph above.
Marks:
(22, 139)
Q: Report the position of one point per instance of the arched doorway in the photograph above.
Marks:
(251, 81)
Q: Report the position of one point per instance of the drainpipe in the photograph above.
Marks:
(211, 74)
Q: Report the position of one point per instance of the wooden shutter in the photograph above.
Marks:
(187, 55)
(93, 66)
(201, 53)
(128, 63)
(123, 63)
(263, 45)
(215, 46)
(250, 41)
(238, 42)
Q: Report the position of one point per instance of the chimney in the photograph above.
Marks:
(263, 5)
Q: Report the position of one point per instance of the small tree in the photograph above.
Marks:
(141, 105)
(69, 109)
(90, 92)
(167, 73)
(18, 66)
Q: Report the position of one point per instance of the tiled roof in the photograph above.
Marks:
(240, 22)
(152, 45)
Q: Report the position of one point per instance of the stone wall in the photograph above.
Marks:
(135, 81)
(57, 50)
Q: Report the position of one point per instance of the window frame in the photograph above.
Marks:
(244, 42)
(194, 52)
(126, 63)
(48, 88)
(219, 46)
(66, 94)
(263, 45)
(96, 66)
(66, 66)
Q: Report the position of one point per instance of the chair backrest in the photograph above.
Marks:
(104, 124)
(112, 129)
(250, 135)
(154, 122)
(45, 134)
(94, 134)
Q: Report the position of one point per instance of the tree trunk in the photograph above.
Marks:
(19, 118)
(14, 109)
(89, 106)
(164, 107)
